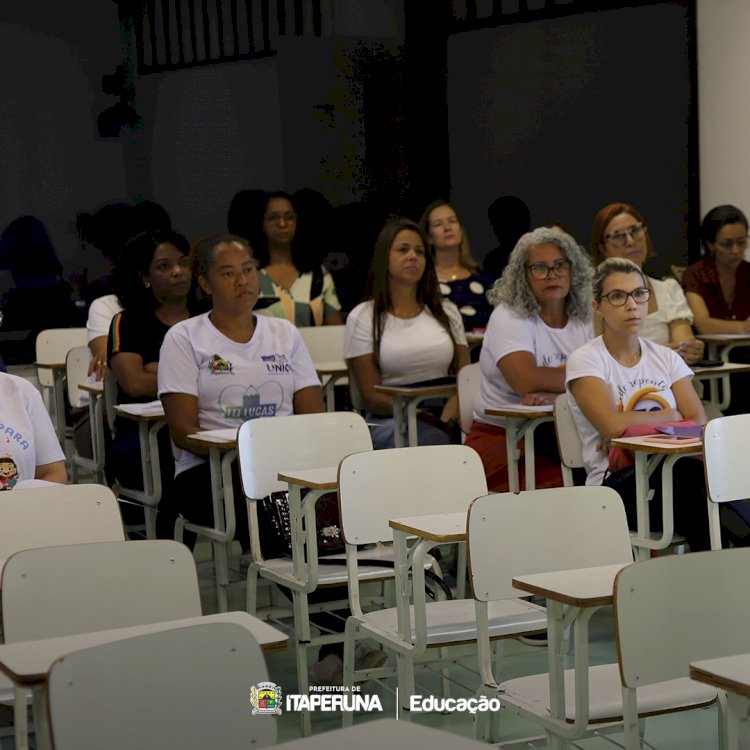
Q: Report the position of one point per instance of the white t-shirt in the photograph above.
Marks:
(672, 304)
(101, 312)
(411, 350)
(509, 332)
(645, 387)
(234, 382)
(27, 437)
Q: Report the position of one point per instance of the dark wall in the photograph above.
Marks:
(571, 114)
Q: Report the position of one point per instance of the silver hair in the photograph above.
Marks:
(609, 266)
(512, 288)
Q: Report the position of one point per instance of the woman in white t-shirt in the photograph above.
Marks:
(224, 367)
(29, 448)
(543, 313)
(621, 380)
(404, 334)
(619, 231)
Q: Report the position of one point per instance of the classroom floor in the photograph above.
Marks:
(692, 730)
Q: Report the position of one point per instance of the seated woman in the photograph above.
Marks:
(543, 313)
(620, 380)
(718, 285)
(717, 288)
(404, 334)
(293, 284)
(619, 231)
(460, 276)
(221, 368)
(153, 283)
(29, 449)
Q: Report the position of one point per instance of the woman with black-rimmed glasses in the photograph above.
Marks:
(619, 231)
(543, 313)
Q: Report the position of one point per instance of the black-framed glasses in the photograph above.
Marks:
(620, 239)
(541, 271)
(276, 217)
(741, 243)
(618, 297)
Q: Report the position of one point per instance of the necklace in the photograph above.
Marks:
(404, 314)
(628, 360)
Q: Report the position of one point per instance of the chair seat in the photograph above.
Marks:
(605, 694)
(455, 621)
(282, 569)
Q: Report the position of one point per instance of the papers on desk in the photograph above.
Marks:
(150, 409)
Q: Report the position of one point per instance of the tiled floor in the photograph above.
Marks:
(690, 730)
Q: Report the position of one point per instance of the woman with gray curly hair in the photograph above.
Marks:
(543, 314)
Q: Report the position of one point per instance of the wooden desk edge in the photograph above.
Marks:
(723, 683)
(333, 485)
(458, 536)
(223, 445)
(509, 411)
(141, 417)
(411, 390)
(675, 450)
(598, 601)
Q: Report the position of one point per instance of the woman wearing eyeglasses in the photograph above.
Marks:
(621, 380)
(543, 313)
(718, 285)
(293, 284)
(619, 231)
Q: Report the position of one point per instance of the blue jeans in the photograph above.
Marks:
(383, 429)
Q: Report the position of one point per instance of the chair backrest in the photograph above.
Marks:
(184, 687)
(53, 345)
(77, 588)
(468, 381)
(675, 609)
(76, 372)
(568, 439)
(378, 486)
(541, 531)
(325, 343)
(727, 469)
(67, 514)
(301, 441)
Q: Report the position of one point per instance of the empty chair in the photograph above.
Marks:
(377, 487)
(549, 531)
(568, 439)
(703, 616)
(326, 347)
(182, 688)
(76, 373)
(727, 472)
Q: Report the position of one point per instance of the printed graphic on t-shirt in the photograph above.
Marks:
(642, 394)
(220, 366)
(8, 473)
(558, 359)
(276, 363)
(243, 403)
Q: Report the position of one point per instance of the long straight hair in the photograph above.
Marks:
(378, 287)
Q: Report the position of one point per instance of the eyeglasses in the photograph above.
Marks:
(618, 297)
(275, 218)
(741, 243)
(541, 271)
(620, 239)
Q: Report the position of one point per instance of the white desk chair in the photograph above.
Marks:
(468, 381)
(303, 441)
(52, 346)
(326, 347)
(76, 373)
(727, 467)
(568, 439)
(185, 688)
(379, 486)
(53, 515)
(703, 616)
(545, 531)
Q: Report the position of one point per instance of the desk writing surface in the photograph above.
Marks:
(324, 478)
(441, 527)
(225, 438)
(639, 444)
(96, 387)
(417, 390)
(520, 410)
(29, 662)
(148, 412)
(731, 673)
(330, 368)
(705, 373)
(585, 587)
